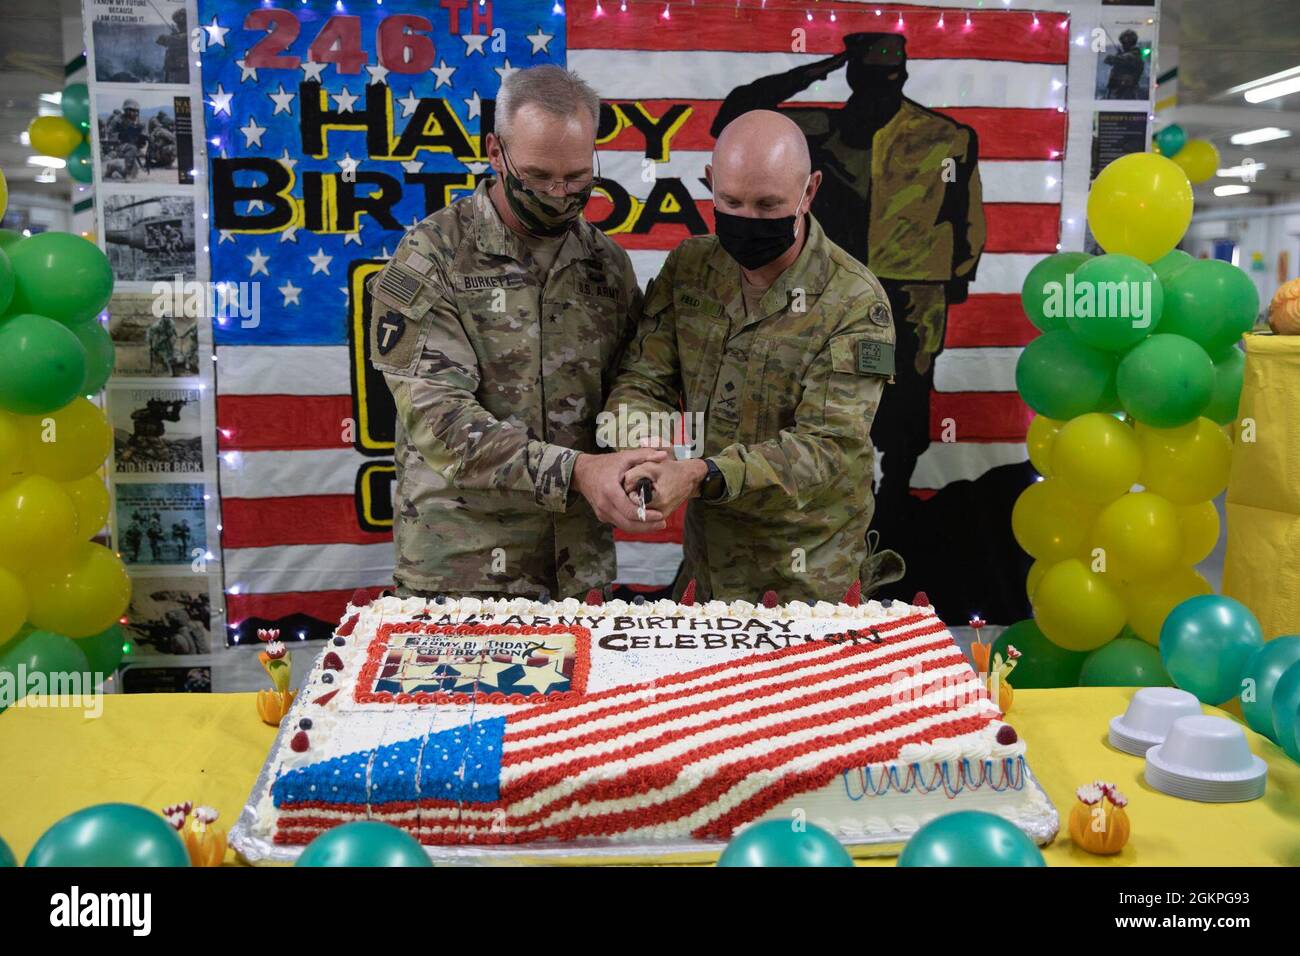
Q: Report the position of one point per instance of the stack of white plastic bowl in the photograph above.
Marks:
(1206, 759)
(1151, 713)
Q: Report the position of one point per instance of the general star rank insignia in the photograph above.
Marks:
(389, 332)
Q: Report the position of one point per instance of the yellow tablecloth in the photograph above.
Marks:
(159, 749)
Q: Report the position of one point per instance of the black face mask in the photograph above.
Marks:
(754, 242)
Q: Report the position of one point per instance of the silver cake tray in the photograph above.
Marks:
(258, 850)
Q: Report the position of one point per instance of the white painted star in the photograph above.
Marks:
(311, 71)
(505, 71)
(377, 74)
(287, 161)
(252, 132)
(320, 262)
(478, 168)
(258, 262)
(343, 101)
(283, 101)
(216, 33)
(475, 104)
(345, 290)
(410, 103)
(289, 234)
(347, 164)
(385, 254)
(225, 235)
(474, 43)
(246, 72)
(290, 293)
(352, 237)
(443, 72)
(415, 221)
(413, 165)
(220, 101)
(256, 205)
(541, 41)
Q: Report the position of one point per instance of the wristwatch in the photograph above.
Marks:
(714, 485)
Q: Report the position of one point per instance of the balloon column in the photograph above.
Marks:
(67, 136)
(1133, 377)
(61, 595)
(1196, 157)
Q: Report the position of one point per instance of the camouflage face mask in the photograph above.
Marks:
(541, 213)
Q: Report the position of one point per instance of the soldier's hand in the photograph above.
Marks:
(599, 479)
(824, 68)
(674, 481)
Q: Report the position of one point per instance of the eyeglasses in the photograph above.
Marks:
(568, 186)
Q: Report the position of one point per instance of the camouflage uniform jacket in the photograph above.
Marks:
(497, 381)
(788, 396)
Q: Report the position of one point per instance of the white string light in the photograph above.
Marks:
(666, 15)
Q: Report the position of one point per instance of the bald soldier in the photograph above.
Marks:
(784, 343)
(498, 325)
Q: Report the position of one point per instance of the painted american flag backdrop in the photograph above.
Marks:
(333, 126)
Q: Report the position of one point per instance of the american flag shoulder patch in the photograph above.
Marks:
(399, 285)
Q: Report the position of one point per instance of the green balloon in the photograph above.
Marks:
(1286, 712)
(1171, 263)
(364, 843)
(8, 239)
(42, 364)
(1117, 302)
(1263, 670)
(1042, 282)
(61, 276)
(100, 355)
(1041, 663)
(110, 834)
(1171, 139)
(784, 843)
(1165, 381)
(6, 281)
(970, 838)
(7, 858)
(1060, 377)
(76, 105)
(1205, 643)
(40, 652)
(1229, 372)
(1124, 662)
(81, 166)
(103, 650)
(1211, 302)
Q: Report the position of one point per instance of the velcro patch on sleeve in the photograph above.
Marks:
(857, 354)
(398, 285)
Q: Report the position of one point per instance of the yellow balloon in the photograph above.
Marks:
(1042, 432)
(1200, 524)
(1097, 457)
(4, 194)
(1188, 464)
(38, 523)
(80, 595)
(1138, 535)
(53, 136)
(1076, 609)
(1049, 522)
(13, 604)
(1150, 600)
(1140, 205)
(1198, 159)
(1035, 576)
(13, 452)
(90, 496)
(70, 443)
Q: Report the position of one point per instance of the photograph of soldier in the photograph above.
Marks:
(140, 41)
(169, 616)
(160, 524)
(156, 431)
(138, 139)
(901, 193)
(149, 238)
(1124, 69)
(164, 346)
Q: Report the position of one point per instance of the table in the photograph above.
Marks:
(158, 749)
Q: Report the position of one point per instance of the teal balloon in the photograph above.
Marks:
(75, 104)
(101, 355)
(970, 838)
(1042, 663)
(1211, 302)
(364, 843)
(42, 364)
(1165, 381)
(1263, 670)
(1225, 397)
(1286, 712)
(81, 165)
(61, 276)
(1045, 280)
(103, 650)
(1060, 377)
(110, 834)
(1205, 643)
(40, 652)
(783, 843)
(6, 281)
(1170, 264)
(1171, 139)
(1124, 662)
(1116, 304)
(7, 858)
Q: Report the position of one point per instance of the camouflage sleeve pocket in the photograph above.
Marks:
(862, 354)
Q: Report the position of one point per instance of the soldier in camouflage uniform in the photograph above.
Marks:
(161, 338)
(498, 325)
(784, 342)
